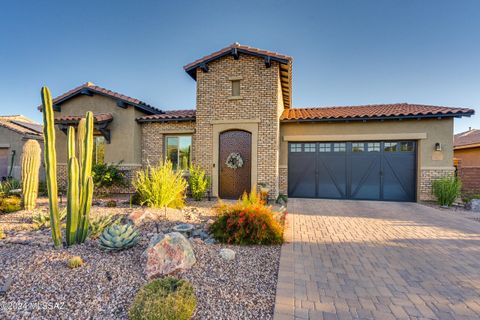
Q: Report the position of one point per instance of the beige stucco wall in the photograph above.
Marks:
(431, 164)
(258, 109)
(12, 140)
(124, 130)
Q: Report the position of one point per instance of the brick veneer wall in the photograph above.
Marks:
(283, 180)
(153, 136)
(260, 100)
(427, 176)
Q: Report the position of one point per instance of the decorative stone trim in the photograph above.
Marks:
(283, 179)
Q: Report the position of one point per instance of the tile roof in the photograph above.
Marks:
(376, 111)
(97, 89)
(21, 124)
(470, 137)
(173, 115)
(97, 117)
(241, 48)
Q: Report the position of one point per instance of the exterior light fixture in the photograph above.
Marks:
(438, 146)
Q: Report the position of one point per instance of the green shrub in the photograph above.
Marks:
(107, 175)
(446, 190)
(99, 223)
(7, 186)
(199, 182)
(75, 262)
(164, 299)
(10, 204)
(160, 186)
(247, 224)
(42, 219)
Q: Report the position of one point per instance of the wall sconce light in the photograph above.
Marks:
(438, 146)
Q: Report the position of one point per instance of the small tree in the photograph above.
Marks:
(199, 182)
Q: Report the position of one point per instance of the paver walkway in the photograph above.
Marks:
(377, 260)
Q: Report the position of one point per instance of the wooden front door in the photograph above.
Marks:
(3, 163)
(233, 182)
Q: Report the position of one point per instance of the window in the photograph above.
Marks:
(309, 147)
(390, 147)
(98, 150)
(406, 146)
(295, 147)
(235, 88)
(178, 151)
(324, 147)
(373, 147)
(339, 147)
(358, 147)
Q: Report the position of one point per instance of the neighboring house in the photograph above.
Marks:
(244, 106)
(14, 131)
(466, 148)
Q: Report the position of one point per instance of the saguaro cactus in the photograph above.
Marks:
(50, 156)
(30, 167)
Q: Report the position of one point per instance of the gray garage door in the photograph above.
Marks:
(369, 170)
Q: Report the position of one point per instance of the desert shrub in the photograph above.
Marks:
(247, 224)
(75, 262)
(198, 182)
(10, 204)
(2, 234)
(42, 219)
(446, 190)
(107, 175)
(111, 204)
(99, 223)
(7, 186)
(160, 186)
(164, 299)
(252, 199)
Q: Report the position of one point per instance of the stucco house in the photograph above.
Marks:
(15, 130)
(466, 149)
(244, 111)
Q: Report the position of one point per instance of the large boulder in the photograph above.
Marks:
(168, 253)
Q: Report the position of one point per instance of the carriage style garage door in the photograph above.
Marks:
(370, 170)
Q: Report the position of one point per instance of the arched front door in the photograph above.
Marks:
(233, 182)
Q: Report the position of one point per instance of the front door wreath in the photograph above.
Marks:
(234, 161)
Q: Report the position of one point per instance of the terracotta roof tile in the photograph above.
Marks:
(240, 47)
(467, 138)
(371, 111)
(97, 117)
(91, 86)
(21, 124)
(172, 115)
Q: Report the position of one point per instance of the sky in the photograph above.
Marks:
(345, 52)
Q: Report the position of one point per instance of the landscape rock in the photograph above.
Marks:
(168, 253)
(475, 205)
(210, 241)
(227, 254)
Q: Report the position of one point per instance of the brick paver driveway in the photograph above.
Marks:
(378, 260)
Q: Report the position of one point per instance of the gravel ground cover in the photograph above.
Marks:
(103, 288)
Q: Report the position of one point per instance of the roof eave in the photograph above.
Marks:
(140, 120)
(428, 116)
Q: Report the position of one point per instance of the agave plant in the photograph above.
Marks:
(42, 220)
(118, 237)
(99, 223)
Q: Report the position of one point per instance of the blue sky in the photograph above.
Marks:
(345, 52)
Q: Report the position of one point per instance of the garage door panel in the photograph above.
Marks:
(399, 177)
(365, 178)
(301, 172)
(332, 176)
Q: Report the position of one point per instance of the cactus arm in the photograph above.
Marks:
(30, 168)
(86, 182)
(72, 191)
(85, 208)
(50, 156)
(80, 140)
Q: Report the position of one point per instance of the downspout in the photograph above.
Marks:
(11, 164)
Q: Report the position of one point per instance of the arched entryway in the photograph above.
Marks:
(234, 181)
